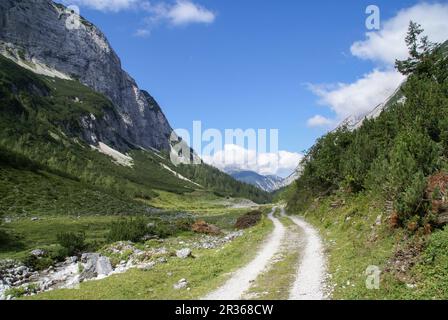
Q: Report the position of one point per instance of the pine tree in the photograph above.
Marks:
(418, 48)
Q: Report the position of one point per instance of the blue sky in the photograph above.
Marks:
(258, 64)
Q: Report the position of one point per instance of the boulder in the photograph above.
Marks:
(162, 260)
(378, 220)
(103, 266)
(147, 266)
(38, 252)
(183, 253)
(201, 226)
(95, 265)
(181, 284)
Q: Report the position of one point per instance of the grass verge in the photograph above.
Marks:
(208, 270)
(357, 235)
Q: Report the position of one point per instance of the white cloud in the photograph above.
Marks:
(358, 97)
(281, 163)
(388, 44)
(180, 13)
(186, 12)
(319, 121)
(177, 13)
(142, 33)
(382, 47)
(103, 5)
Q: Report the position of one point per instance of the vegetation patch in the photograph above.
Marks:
(248, 220)
(207, 271)
(378, 192)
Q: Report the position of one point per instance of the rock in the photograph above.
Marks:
(86, 55)
(162, 260)
(95, 265)
(69, 260)
(3, 288)
(161, 250)
(147, 266)
(183, 253)
(201, 226)
(147, 237)
(38, 252)
(103, 266)
(181, 284)
(378, 220)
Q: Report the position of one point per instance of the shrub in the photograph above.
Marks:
(128, 230)
(184, 224)
(3, 235)
(18, 292)
(137, 229)
(162, 230)
(38, 263)
(72, 242)
(248, 220)
(412, 199)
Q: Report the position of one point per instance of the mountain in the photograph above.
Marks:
(267, 183)
(70, 115)
(292, 177)
(35, 35)
(354, 122)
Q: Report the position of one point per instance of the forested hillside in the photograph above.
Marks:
(394, 154)
(42, 119)
(381, 189)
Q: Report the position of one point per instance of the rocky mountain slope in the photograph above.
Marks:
(35, 35)
(354, 122)
(267, 183)
(68, 108)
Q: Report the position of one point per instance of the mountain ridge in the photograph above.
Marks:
(83, 54)
(267, 183)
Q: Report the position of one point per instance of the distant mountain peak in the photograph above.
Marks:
(267, 183)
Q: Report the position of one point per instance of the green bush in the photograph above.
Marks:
(18, 292)
(133, 229)
(433, 268)
(411, 201)
(184, 224)
(72, 242)
(38, 263)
